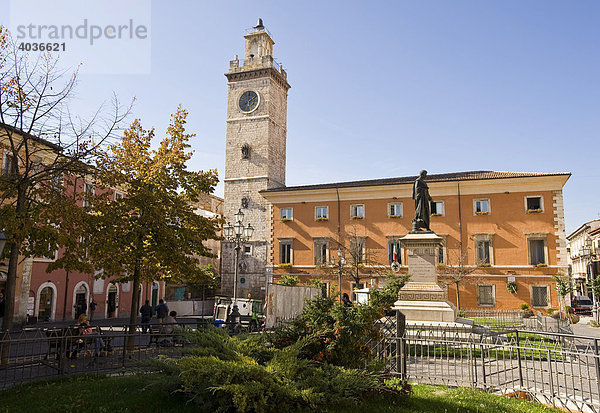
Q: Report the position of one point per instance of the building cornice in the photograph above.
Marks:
(404, 190)
(257, 74)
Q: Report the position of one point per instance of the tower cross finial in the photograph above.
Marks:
(259, 25)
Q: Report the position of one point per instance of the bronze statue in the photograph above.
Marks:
(422, 203)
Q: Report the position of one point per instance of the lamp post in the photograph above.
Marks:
(238, 234)
(586, 251)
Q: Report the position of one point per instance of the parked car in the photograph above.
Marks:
(582, 305)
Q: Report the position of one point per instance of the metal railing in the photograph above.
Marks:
(35, 354)
(556, 369)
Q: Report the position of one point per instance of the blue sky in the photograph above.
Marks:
(382, 89)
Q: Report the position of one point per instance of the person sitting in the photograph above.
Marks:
(85, 329)
(168, 327)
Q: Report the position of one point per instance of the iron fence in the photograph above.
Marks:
(34, 354)
(557, 369)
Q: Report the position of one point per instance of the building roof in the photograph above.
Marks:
(32, 137)
(593, 224)
(453, 176)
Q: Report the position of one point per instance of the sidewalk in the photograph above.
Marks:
(102, 322)
(582, 328)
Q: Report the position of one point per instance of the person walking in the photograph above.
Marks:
(146, 312)
(92, 309)
(162, 310)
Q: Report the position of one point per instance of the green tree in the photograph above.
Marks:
(152, 233)
(594, 286)
(564, 287)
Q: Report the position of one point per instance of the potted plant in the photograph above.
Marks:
(527, 312)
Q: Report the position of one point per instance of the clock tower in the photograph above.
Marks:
(254, 156)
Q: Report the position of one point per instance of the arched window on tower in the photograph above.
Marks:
(245, 151)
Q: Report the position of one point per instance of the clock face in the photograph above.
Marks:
(248, 101)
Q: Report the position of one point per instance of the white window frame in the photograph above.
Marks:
(326, 285)
(437, 214)
(54, 257)
(86, 200)
(322, 218)
(477, 238)
(354, 209)
(531, 211)
(290, 242)
(548, 298)
(5, 158)
(58, 180)
(353, 285)
(479, 200)
(443, 250)
(363, 242)
(537, 237)
(283, 214)
(479, 304)
(318, 242)
(119, 195)
(396, 214)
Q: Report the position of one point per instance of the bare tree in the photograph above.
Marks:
(43, 143)
(360, 261)
(458, 271)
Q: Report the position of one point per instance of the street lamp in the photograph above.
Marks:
(586, 251)
(238, 234)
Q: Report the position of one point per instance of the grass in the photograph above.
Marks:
(494, 322)
(131, 394)
(467, 351)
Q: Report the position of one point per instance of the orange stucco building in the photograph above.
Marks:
(504, 228)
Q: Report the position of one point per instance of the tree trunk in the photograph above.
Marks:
(66, 294)
(457, 296)
(9, 299)
(134, 309)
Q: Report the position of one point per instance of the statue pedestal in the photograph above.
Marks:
(422, 299)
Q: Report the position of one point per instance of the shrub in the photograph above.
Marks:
(524, 306)
(333, 333)
(551, 311)
(237, 382)
(403, 387)
(316, 361)
(289, 280)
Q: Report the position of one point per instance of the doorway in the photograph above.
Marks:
(45, 308)
(111, 301)
(80, 301)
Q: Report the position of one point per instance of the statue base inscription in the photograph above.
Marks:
(422, 298)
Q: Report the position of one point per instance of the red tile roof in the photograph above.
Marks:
(453, 176)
